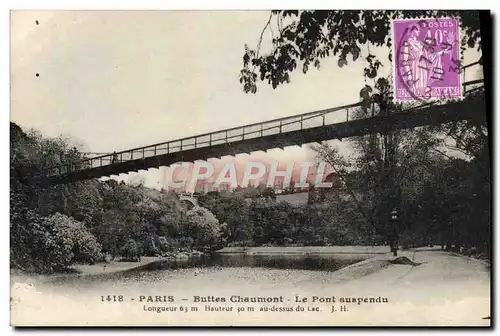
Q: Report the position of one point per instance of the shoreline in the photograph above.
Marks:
(105, 267)
(305, 250)
(372, 253)
(111, 267)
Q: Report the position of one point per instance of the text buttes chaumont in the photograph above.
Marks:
(262, 299)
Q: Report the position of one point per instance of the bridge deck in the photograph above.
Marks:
(278, 133)
(296, 130)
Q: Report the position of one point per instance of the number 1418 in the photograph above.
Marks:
(112, 298)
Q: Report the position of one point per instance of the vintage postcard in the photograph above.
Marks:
(250, 168)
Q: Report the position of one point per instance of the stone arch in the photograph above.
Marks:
(188, 201)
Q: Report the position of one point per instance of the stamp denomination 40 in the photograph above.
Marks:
(427, 59)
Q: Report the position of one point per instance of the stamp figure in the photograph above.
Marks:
(426, 59)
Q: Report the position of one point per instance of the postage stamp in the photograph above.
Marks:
(426, 60)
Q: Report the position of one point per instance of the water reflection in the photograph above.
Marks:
(165, 270)
(304, 262)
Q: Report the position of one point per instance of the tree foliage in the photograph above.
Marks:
(440, 198)
(434, 193)
(84, 247)
(391, 170)
(232, 210)
(130, 251)
(304, 38)
(78, 221)
(203, 227)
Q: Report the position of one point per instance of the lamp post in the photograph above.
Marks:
(394, 242)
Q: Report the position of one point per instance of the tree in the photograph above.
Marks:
(110, 231)
(34, 248)
(75, 219)
(379, 177)
(232, 210)
(130, 251)
(306, 37)
(271, 222)
(203, 227)
(269, 194)
(83, 245)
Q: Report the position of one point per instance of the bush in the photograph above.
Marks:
(186, 243)
(163, 244)
(83, 244)
(28, 241)
(151, 248)
(203, 228)
(319, 241)
(51, 244)
(130, 251)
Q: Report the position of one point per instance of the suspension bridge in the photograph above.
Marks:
(277, 133)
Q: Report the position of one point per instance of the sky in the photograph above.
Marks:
(114, 80)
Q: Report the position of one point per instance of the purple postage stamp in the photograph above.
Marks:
(426, 59)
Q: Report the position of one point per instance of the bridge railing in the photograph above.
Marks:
(227, 136)
(468, 85)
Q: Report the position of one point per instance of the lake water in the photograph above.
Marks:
(232, 265)
(305, 262)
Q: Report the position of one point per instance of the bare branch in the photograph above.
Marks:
(442, 153)
(328, 154)
(463, 151)
(262, 35)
